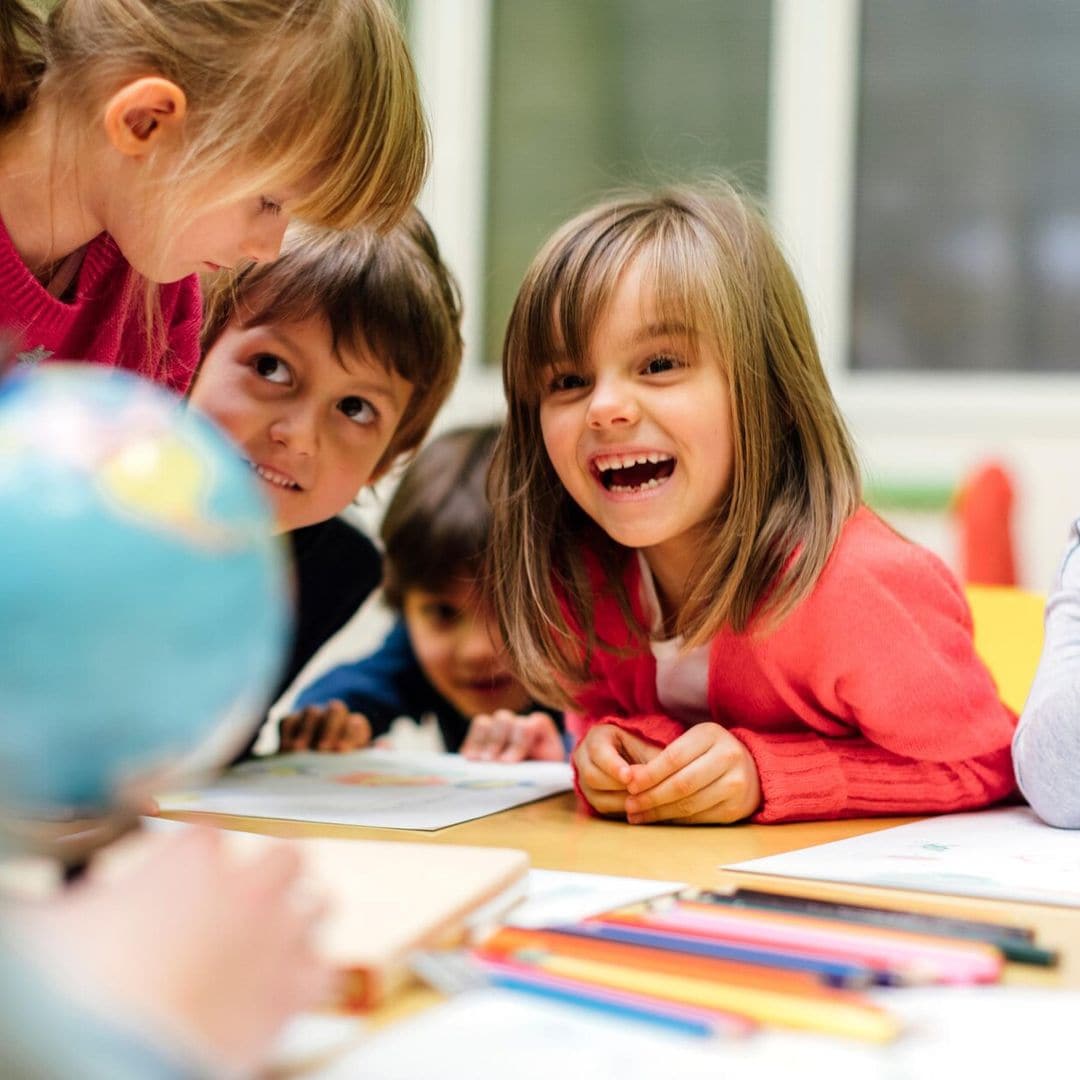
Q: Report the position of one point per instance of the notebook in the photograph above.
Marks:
(387, 899)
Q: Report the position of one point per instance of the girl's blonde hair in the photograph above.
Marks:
(714, 267)
(292, 93)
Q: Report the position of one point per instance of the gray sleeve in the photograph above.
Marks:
(1046, 747)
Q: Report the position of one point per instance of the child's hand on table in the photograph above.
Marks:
(603, 759)
(706, 776)
(187, 940)
(510, 736)
(330, 728)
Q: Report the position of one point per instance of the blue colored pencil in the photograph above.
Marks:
(583, 997)
(832, 972)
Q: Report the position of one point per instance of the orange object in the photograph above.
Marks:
(983, 512)
(510, 942)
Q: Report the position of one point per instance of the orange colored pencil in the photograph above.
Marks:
(515, 943)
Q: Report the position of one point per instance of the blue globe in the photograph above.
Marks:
(144, 602)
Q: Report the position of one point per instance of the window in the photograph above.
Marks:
(967, 189)
(588, 95)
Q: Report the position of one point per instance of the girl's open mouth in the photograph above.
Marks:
(628, 473)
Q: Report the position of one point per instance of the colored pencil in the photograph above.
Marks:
(511, 942)
(688, 1018)
(851, 1016)
(837, 973)
(942, 960)
(1017, 943)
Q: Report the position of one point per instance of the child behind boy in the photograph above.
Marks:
(445, 654)
(325, 367)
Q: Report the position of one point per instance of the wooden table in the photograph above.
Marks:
(558, 837)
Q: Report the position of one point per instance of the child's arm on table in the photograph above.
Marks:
(705, 777)
(508, 736)
(900, 714)
(353, 703)
(1046, 748)
(602, 762)
(330, 728)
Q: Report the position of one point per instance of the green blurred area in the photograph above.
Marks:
(590, 95)
(918, 496)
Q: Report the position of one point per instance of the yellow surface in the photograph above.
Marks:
(1008, 636)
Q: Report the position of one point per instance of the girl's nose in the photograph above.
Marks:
(612, 402)
(263, 243)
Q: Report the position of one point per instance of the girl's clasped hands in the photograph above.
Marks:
(705, 776)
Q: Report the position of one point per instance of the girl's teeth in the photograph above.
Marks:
(628, 460)
(639, 487)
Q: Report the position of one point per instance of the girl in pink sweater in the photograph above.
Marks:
(143, 142)
(680, 552)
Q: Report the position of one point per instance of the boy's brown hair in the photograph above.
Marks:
(389, 293)
(715, 268)
(438, 523)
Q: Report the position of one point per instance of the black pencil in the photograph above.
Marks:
(1015, 942)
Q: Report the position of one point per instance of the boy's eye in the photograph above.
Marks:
(268, 205)
(358, 409)
(565, 380)
(271, 368)
(442, 613)
(658, 364)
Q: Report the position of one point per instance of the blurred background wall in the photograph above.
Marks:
(919, 159)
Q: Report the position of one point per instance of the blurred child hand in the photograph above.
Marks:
(187, 941)
(706, 776)
(330, 728)
(603, 759)
(509, 736)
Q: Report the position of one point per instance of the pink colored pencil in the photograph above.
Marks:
(950, 962)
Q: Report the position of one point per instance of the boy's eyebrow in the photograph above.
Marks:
(387, 393)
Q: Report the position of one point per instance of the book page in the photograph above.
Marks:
(1006, 854)
(389, 789)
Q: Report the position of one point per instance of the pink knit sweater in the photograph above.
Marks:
(104, 322)
(867, 699)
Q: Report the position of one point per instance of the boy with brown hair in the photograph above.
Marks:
(326, 367)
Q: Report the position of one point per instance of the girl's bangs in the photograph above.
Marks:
(685, 289)
(571, 291)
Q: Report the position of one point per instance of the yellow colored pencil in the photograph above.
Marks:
(855, 1019)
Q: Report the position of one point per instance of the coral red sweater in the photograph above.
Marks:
(103, 323)
(867, 699)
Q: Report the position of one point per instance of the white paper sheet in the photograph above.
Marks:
(494, 1034)
(989, 1032)
(556, 897)
(390, 789)
(1003, 854)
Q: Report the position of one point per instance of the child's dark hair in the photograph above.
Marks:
(437, 525)
(387, 293)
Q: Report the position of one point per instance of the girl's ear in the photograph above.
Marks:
(143, 113)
